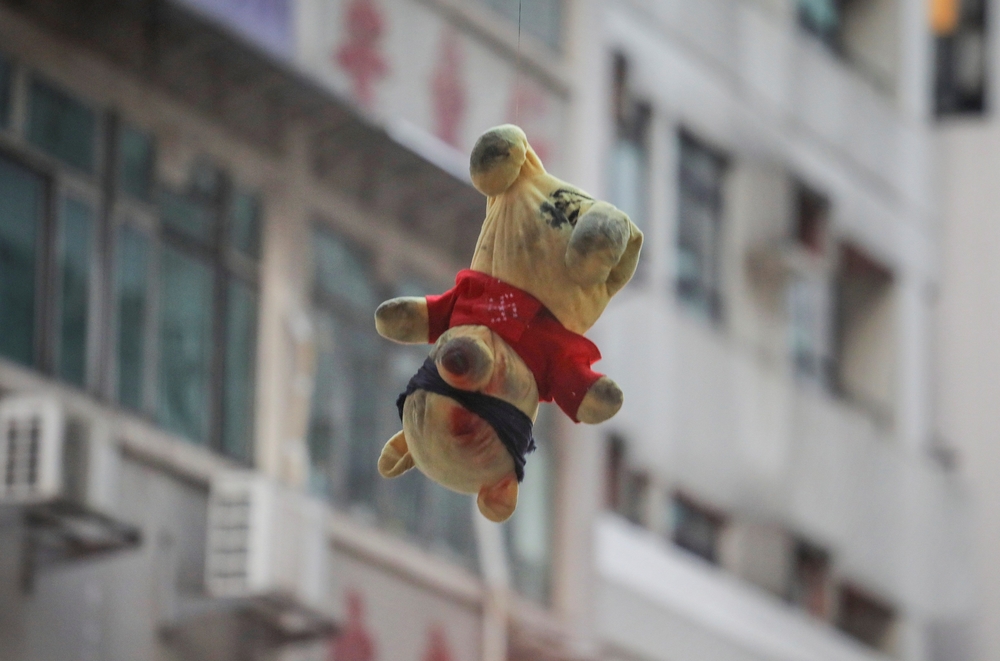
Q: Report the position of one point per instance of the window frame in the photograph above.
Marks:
(113, 209)
(61, 181)
(709, 297)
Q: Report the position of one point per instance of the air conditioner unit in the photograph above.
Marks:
(61, 469)
(267, 548)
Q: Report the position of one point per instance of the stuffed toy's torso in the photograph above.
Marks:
(558, 358)
(524, 239)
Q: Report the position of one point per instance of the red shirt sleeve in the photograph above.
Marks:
(439, 309)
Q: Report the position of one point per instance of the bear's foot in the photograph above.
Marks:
(597, 244)
(403, 320)
(601, 402)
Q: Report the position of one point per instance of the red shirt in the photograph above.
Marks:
(559, 358)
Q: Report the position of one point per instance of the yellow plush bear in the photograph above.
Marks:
(510, 333)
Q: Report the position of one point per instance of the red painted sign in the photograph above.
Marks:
(360, 55)
(448, 90)
(437, 645)
(355, 643)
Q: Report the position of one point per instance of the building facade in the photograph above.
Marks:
(204, 201)
(967, 134)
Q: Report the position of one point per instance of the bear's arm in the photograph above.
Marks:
(623, 271)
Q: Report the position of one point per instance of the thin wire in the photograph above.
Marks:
(517, 69)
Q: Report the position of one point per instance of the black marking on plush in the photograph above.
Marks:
(512, 425)
(563, 207)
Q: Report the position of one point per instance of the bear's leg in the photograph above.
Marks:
(403, 319)
(597, 244)
(601, 402)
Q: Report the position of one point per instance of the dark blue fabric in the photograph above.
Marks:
(511, 424)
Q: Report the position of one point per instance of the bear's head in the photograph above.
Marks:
(453, 445)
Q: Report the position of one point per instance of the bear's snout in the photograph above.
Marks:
(466, 363)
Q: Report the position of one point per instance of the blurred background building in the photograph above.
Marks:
(203, 201)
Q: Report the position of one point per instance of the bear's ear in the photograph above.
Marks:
(396, 458)
(497, 159)
(497, 501)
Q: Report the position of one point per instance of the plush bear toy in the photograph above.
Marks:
(510, 333)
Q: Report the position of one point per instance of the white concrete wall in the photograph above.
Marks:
(968, 325)
(714, 409)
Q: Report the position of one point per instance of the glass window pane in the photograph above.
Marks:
(62, 126)
(344, 415)
(822, 18)
(185, 344)
(529, 531)
(131, 276)
(188, 216)
(6, 76)
(330, 413)
(244, 224)
(341, 271)
(241, 355)
(21, 205)
(73, 262)
(452, 529)
(135, 162)
(628, 179)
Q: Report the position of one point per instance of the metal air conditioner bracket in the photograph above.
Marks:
(63, 531)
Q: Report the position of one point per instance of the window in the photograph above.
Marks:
(696, 528)
(808, 294)
(628, 165)
(6, 82)
(529, 530)
(188, 255)
(48, 223)
(343, 420)
(627, 487)
(73, 262)
(357, 379)
(22, 205)
(135, 163)
(865, 617)
(811, 586)
(822, 18)
(699, 229)
(132, 298)
(865, 33)
(62, 126)
(961, 53)
(865, 349)
(206, 327)
(539, 18)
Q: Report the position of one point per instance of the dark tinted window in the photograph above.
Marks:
(240, 358)
(21, 207)
(185, 344)
(244, 224)
(135, 163)
(132, 282)
(76, 230)
(62, 126)
(699, 226)
(6, 80)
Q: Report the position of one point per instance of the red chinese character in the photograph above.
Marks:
(355, 642)
(437, 645)
(448, 90)
(359, 55)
